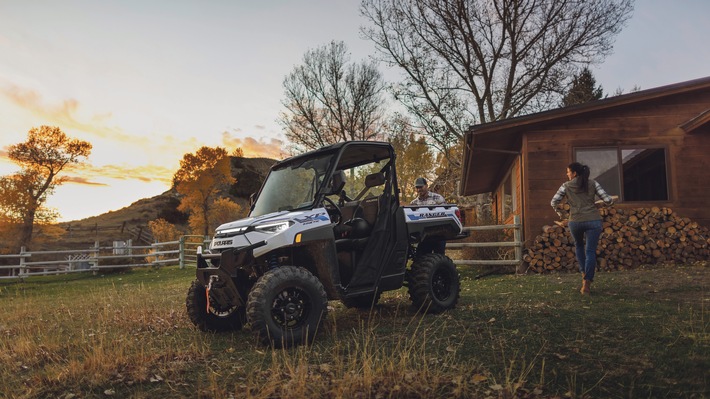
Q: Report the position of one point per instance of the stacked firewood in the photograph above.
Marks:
(630, 237)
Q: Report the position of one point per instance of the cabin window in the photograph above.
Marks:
(508, 196)
(634, 174)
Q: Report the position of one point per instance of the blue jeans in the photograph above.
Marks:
(586, 238)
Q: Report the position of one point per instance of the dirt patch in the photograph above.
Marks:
(687, 283)
(666, 282)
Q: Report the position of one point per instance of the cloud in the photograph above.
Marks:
(64, 114)
(90, 175)
(144, 173)
(82, 181)
(161, 149)
(266, 148)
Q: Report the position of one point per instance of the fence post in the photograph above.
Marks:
(157, 247)
(519, 247)
(95, 262)
(182, 252)
(23, 267)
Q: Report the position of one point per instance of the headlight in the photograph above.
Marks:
(234, 230)
(230, 232)
(273, 228)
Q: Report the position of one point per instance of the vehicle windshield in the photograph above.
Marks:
(291, 186)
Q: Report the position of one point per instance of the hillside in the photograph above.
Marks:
(131, 221)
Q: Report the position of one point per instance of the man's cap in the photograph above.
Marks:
(420, 182)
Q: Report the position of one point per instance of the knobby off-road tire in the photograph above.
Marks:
(366, 301)
(286, 306)
(196, 303)
(434, 284)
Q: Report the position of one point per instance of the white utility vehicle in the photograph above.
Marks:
(325, 225)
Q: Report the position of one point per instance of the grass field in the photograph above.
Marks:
(642, 334)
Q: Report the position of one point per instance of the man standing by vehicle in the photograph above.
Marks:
(426, 198)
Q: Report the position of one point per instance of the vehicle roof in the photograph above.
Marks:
(337, 147)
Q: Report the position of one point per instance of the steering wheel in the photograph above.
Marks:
(335, 208)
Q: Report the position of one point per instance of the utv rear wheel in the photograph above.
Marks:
(434, 284)
(286, 305)
(362, 301)
(214, 319)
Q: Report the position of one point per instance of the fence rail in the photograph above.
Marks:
(516, 243)
(139, 233)
(182, 252)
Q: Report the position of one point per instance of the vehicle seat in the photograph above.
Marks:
(350, 248)
(369, 207)
(357, 231)
(363, 215)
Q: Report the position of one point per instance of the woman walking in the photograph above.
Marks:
(585, 222)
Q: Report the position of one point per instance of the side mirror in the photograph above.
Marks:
(252, 199)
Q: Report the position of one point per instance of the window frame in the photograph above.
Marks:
(513, 193)
(619, 166)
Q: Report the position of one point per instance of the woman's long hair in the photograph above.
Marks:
(582, 172)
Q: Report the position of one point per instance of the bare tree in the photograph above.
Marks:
(329, 100)
(477, 61)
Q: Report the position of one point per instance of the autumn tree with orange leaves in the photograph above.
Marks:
(203, 178)
(47, 152)
(414, 156)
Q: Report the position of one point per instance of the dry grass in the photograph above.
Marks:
(644, 333)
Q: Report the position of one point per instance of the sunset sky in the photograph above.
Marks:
(148, 81)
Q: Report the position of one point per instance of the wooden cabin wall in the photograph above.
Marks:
(691, 160)
(549, 149)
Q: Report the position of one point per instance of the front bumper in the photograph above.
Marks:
(228, 260)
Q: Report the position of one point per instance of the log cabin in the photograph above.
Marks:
(651, 148)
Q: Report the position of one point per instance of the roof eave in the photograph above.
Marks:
(692, 125)
(625, 99)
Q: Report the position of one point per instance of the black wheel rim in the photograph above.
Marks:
(222, 312)
(441, 285)
(291, 307)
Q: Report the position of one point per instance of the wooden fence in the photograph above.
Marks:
(122, 254)
(183, 252)
(517, 244)
(139, 233)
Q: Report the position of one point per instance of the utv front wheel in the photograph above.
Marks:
(286, 305)
(434, 284)
(212, 319)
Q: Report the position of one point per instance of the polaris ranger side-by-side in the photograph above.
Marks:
(325, 225)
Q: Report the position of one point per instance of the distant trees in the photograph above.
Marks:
(583, 89)
(47, 152)
(328, 99)
(224, 210)
(414, 156)
(202, 179)
(476, 61)
(164, 231)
